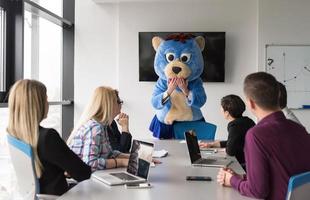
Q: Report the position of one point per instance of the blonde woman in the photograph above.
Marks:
(90, 140)
(27, 108)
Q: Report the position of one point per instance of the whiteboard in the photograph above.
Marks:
(290, 64)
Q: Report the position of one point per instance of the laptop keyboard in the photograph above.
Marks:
(124, 176)
(206, 161)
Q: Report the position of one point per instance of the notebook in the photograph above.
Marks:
(138, 166)
(195, 154)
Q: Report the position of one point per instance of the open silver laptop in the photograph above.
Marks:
(138, 166)
(195, 154)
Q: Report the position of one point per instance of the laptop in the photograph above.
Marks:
(195, 154)
(139, 164)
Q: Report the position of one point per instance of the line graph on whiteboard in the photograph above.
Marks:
(291, 66)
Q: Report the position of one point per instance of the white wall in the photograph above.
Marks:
(107, 50)
(95, 50)
(284, 22)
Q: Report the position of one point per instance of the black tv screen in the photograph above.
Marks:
(213, 55)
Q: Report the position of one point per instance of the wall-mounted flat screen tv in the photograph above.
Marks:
(213, 55)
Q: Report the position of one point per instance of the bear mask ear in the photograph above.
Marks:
(156, 42)
(201, 42)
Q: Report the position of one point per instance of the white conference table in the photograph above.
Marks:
(167, 179)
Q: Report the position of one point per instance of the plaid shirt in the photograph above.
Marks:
(91, 143)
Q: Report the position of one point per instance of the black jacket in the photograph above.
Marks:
(119, 141)
(56, 158)
(237, 130)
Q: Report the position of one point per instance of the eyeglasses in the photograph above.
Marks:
(120, 102)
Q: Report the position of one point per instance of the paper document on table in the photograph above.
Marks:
(160, 153)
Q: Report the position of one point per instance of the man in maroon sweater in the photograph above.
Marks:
(275, 149)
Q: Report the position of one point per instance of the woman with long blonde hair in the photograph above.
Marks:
(90, 140)
(28, 106)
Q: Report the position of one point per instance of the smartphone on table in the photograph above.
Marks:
(198, 178)
(137, 185)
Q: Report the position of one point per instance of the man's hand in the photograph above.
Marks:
(215, 144)
(67, 175)
(205, 144)
(224, 176)
(155, 161)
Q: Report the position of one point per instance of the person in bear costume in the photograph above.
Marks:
(178, 94)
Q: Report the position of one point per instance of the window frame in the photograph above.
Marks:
(3, 49)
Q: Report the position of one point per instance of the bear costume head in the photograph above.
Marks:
(179, 55)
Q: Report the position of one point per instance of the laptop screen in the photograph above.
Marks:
(140, 158)
(192, 145)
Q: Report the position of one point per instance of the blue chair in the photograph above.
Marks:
(23, 161)
(299, 187)
(203, 130)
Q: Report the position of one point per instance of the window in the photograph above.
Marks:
(43, 60)
(46, 34)
(43, 53)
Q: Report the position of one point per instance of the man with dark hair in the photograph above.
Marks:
(233, 104)
(232, 109)
(283, 104)
(274, 148)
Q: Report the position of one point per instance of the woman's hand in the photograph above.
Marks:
(182, 84)
(172, 85)
(123, 155)
(123, 121)
(122, 162)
